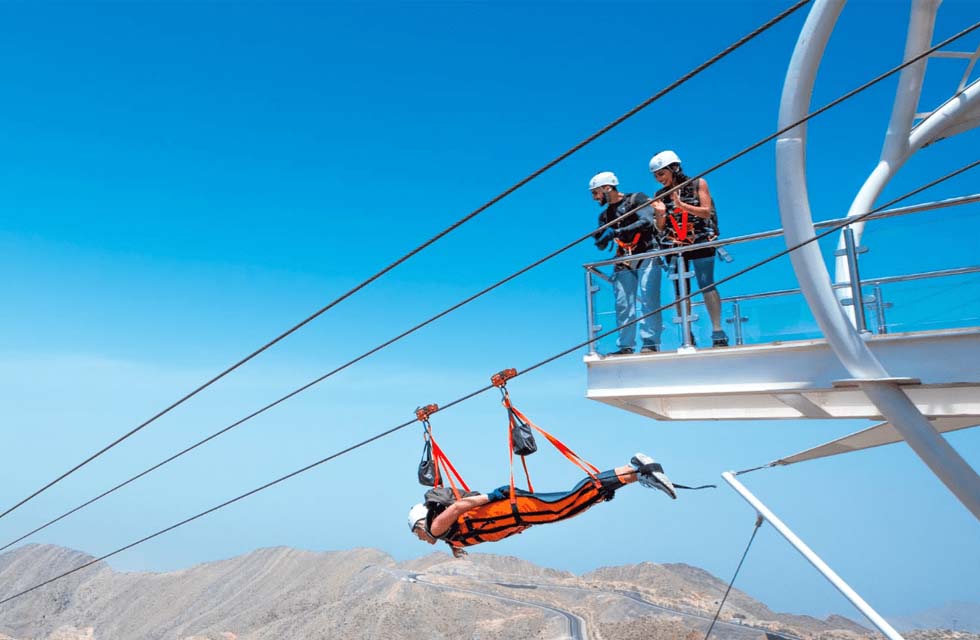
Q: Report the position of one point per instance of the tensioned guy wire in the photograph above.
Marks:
(469, 299)
(482, 389)
(758, 523)
(426, 244)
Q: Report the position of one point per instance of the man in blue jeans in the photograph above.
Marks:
(636, 283)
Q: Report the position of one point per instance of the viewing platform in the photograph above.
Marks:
(778, 365)
(792, 379)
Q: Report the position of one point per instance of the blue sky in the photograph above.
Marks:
(181, 182)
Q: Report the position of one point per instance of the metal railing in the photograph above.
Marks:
(857, 300)
(875, 301)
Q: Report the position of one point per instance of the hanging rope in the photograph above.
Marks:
(758, 523)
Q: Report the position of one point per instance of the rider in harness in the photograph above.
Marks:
(475, 518)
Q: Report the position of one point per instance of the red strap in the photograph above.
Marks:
(530, 487)
(680, 232)
(511, 423)
(442, 461)
(628, 247)
(510, 450)
(576, 459)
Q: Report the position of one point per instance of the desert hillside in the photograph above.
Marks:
(283, 593)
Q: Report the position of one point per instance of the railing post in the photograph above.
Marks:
(736, 321)
(851, 251)
(590, 291)
(880, 306)
(682, 275)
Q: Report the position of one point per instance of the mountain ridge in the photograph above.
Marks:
(281, 592)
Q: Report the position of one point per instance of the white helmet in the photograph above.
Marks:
(663, 159)
(602, 179)
(416, 513)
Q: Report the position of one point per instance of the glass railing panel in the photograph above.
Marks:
(948, 302)
(605, 317)
(927, 241)
(771, 319)
(908, 303)
(942, 301)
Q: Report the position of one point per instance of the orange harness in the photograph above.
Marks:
(502, 518)
(682, 230)
(627, 248)
(505, 517)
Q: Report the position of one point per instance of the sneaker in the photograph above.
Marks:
(652, 474)
(625, 351)
(719, 339)
(650, 348)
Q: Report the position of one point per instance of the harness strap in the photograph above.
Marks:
(442, 467)
(511, 424)
(443, 462)
(628, 247)
(680, 231)
(510, 450)
(526, 474)
(591, 470)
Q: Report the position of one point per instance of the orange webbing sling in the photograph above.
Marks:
(442, 465)
(503, 518)
(506, 517)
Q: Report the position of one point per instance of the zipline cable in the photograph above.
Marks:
(697, 70)
(478, 294)
(758, 523)
(829, 105)
(484, 389)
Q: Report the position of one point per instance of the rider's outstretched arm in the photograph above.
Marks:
(442, 522)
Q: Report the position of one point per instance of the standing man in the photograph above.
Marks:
(634, 281)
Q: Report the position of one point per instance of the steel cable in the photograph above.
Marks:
(812, 114)
(755, 530)
(482, 389)
(487, 290)
(697, 70)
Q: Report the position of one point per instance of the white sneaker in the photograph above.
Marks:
(651, 474)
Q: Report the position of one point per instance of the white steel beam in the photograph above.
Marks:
(813, 558)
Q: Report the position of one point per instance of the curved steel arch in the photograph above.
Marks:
(808, 264)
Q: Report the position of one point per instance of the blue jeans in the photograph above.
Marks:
(638, 290)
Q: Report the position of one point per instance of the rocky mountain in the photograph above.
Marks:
(285, 593)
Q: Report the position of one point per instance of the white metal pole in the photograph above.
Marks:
(813, 558)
